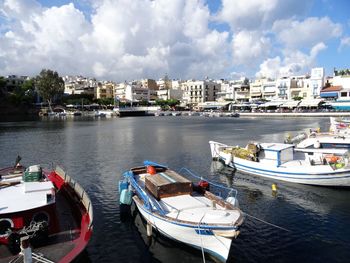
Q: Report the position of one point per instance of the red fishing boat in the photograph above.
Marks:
(45, 216)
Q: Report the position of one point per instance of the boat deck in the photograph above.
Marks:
(58, 244)
(196, 208)
(192, 207)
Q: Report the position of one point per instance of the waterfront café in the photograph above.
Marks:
(290, 104)
(214, 105)
(310, 104)
(271, 106)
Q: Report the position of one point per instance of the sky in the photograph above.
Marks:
(123, 40)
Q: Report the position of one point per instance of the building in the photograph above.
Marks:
(256, 88)
(317, 79)
(149, 84)
(105, 90)
(132, 92)
(79, 85)
(199, 91)
(227, 92)
(300, 87)
(14, 81)
(241, 90)
(269, 89)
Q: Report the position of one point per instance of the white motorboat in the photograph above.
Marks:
(279, 161)
(325, 140)
(340, 126)
(181, 210)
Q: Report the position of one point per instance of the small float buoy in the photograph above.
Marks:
(151, 169)
(274, 189)
(149, 229)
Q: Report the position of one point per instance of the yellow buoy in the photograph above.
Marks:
(274, 187)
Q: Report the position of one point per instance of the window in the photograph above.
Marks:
(343, 94)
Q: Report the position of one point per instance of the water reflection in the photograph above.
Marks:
(97, 152)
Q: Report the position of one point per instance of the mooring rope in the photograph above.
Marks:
(263, 221)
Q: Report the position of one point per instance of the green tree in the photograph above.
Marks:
(49, 85)
(2, 85)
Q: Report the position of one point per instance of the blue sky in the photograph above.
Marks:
(187, 39)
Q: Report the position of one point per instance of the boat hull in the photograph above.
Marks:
(322, 175)
(218, 246)
(75, 219)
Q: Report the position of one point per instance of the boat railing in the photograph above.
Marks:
(231, 192)
(81, 193)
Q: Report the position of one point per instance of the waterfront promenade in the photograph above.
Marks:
(294, 114)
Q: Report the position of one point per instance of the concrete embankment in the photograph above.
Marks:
(294, 114)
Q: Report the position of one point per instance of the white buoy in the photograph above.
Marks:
(149, 229)
(317, 145)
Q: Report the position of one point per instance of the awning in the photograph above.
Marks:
(291, 104)
(271, 104)
(310, 103)
(329, 94)
(213, 104)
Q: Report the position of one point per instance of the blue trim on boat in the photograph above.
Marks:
(204, 232)
(329, 175)
(147, 162)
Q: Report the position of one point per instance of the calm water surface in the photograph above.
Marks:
(96, 152)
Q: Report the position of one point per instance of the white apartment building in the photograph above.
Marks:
(256, 88)
(269, 90)
(131, 92)
(199, 91)
(227, 92)
(341, 79)
(241, 90)
(167, 94)
(79, 85)
(317, 82)
(283, 88)
(300, 87)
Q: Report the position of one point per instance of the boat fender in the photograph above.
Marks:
(151, 170)
(204, 184)
(233, 201)
(123, 184)
(317, 145)
(228, 159)
(125, 197)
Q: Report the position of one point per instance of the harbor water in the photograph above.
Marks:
(313, 222)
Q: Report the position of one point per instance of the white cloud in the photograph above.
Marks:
(270, 68)
(121, 40)
(294, 62)
(296, 34)
(344, 42)
(249, 46)
(254, 14)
